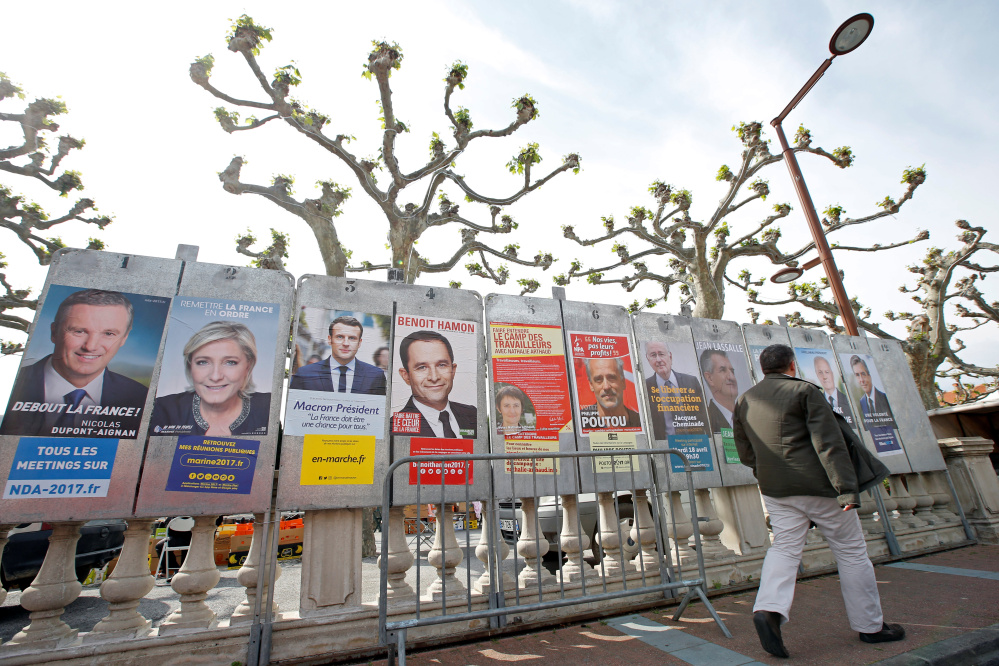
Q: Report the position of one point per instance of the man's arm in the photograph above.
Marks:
(830, 446)
(746, 454)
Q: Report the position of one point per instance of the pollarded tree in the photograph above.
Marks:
(28, 220)
(699, 253)
(947, 287)
(407, 221)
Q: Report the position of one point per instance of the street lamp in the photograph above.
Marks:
(847, 37)
(789, 274)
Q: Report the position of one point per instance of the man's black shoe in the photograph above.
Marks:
(768, 627)
(888, 633)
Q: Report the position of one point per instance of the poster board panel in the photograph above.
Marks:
(817, 363)
(527, 395)
(759, 337)
(724, 365)
(335, 447)
(214, 426)
(913, 424)
(438, 359)
(80, 458)
(673, 392)
(608, 411)
(880, 437)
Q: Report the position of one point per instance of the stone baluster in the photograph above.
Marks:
(573, 542)
(610, 543)
(124, 589)
(936, 482)
(866, 513)
(195, 579)
(891, 505)
(679, 530)
(906, 502)
(444, 556)
(484, 584)
(400, 557)
(711, 544)
(248, 574)
(976, 484)
(643, 532)
(54, 588)
(924, 500)
(4, 531)
(740, 508)
(532, 547)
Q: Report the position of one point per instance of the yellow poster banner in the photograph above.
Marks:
(532, 465)
(609, 441)
(338, 460)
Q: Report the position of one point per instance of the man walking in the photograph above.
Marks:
(789, 435)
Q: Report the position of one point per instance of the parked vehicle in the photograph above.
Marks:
(100, 542)
(550, 524)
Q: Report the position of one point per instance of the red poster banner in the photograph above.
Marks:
(530, 381)
(605, 383)
(429, 473)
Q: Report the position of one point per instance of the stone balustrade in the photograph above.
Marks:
(734, 537)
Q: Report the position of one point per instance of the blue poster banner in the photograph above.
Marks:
(61, 467)
(213, 465)
(697, 448)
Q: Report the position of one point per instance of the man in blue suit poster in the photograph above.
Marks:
(428, 368)
(342, 372)
(71, 392)
(878, 417)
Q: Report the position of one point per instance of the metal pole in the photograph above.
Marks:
(818, 236)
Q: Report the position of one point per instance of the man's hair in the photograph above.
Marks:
(510, 392)
(856, 360)
(657, 342)
(94, 297)
(422, 336)
(224, 330)
(707, 359)
(815, 363)
(374, 357)
(620, 366)
(347, 321)
(776, 358)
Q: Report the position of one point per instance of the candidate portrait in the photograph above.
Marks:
(71, 391)
(719, 376)
(221, 401)
(664, 386)
(827, 380)
(342, 372)
(874, 405)
(427, 366)
(606, 380)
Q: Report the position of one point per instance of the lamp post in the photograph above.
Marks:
(847, 37)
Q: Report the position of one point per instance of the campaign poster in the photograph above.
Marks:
(875, 415)
(217, 368)
(605, 383)
(340, 374)
(62, 467)
(87, 368)
(338, 460)
(611, 441)
(819, 367)
(754, 357)
(213, 465)
(530, 382)
(676, 401)
(451, 472)
(435, 385)
(726, 376)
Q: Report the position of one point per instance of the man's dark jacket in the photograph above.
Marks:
(118, 391)
(319, 377)
(794, 442)
(465, 415)
(659, 417)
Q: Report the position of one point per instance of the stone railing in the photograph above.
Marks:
(734, 540)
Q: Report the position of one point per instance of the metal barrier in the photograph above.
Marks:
(665, 575)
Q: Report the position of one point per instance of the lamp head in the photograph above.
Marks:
(851, 34)
(786, 275)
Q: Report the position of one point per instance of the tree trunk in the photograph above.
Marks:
(368, 533)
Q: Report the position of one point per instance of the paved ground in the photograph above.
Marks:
(936, 597)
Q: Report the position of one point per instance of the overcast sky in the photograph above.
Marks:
(641, 90)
